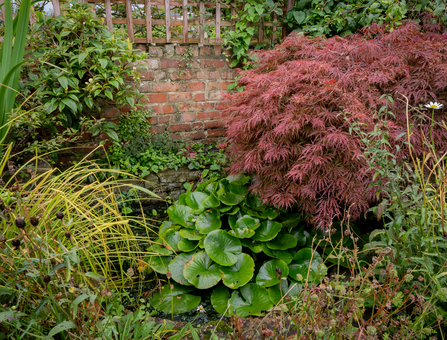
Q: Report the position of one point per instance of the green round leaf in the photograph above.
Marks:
(176, 268)
(219, 299)
(269, 276)
(282, 242)
(240, 273)
(158, 247)
(201, 271)
(190, 234)
(171, 240)
(160, 263)
(195, 199)
(187, 245)
(253, 299)
(181, 214)
(208, 221)
(229, 198)
(284, 289)
(267, 231)
(305, 261)
(222, 247)
(165, 226)
(242, 233)
(247, 222)
(174, 300)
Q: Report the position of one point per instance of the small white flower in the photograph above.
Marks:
(201, 309)
(435, 105)
(90, 80)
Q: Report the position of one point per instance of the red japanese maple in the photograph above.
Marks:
(287, 127)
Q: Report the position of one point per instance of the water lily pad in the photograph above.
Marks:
(174, 300)
(160, 263)
(187, 245)
(219, 299)
(171, 240)
(282, 242)
(252, 300)
(201, 271)
(240, 273)
(176, 268)
(181, 214)
(229, 198)
(269, 275)
(190, 234)
(208, 221)
(283, 289)
(306, 260)
(267, 231)
(222, 247)
(195, 199)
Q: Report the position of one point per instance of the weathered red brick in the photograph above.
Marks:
(197, 125)
(147, 75)
(155, 51)
(157, 97)
(208, 115)
(208, 63)
(163, 109)
(199, 97)
(192, 86)
(110, 112)
(142, 47)
(183, 107)
(188, 117)
(227, 75)
(194, 135)
(205, 51)
(125, 109)
(182, 74)
(215, 96)
(164, 119)
(208, 75)
(212, 86)
(213, 124)
(225, 84)
(157, 129)
(171, 63)
(176, 136)
(203, 106)
(180, 127)
(217, 49)
(151, 63)
(152, 120)
(165, 87)
(217, 133)
(180, 96)
(182, 50)
(159, 75)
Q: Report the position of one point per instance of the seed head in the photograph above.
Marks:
(20, 223)
(15, 243)
(60, 215)
(46, 278)
(34, 221)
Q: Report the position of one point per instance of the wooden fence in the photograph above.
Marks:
(168, 22)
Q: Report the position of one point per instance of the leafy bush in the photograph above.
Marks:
(74, 66)
(216, 233)
(286, 128)
(347, 17)
(145, 153)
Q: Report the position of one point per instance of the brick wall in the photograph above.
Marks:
(184, 100)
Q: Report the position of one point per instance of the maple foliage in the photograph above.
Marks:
(288, 127)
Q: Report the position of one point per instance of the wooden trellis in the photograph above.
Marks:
(148, 21)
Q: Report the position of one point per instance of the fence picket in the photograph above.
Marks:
(201, 22)
(218, 15)
(56, 8)
(129, 20)
(108, 8)
(147, 7)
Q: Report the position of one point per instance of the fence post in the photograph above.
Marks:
(218, 15)
(56, 8)
(108, 7)
(168, 20)
(185, 21)
(201, 21)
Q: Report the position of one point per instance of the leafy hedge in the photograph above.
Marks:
(287, 128)
(216, 234)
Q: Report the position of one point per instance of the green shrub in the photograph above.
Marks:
(217, 233)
